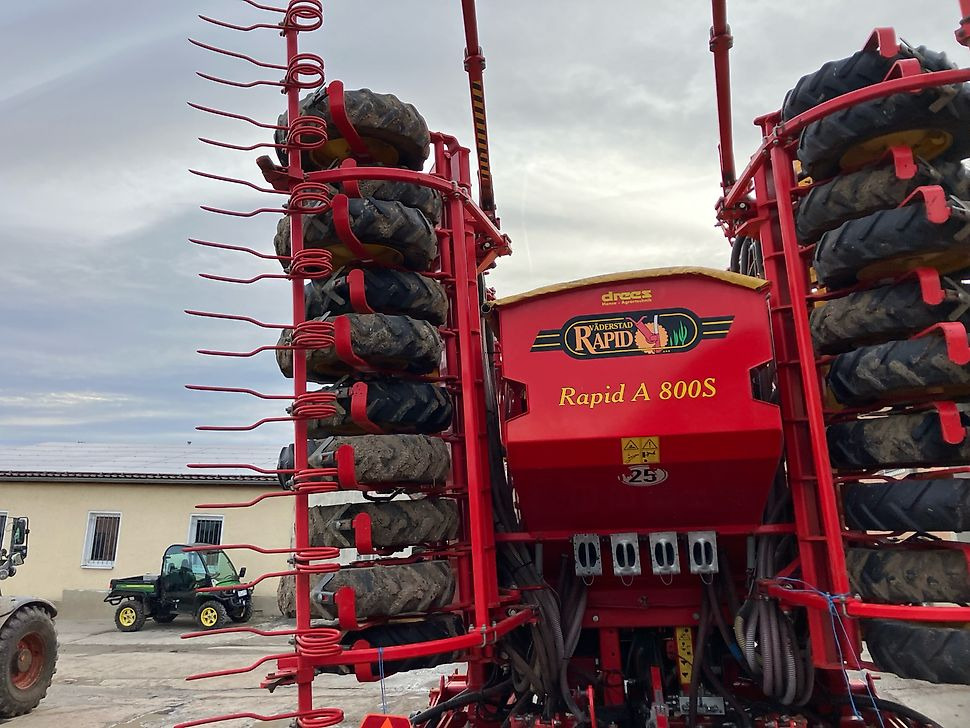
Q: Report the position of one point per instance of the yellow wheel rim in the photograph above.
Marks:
(126, 617)
(337, 150)
(925, 143)
(209, 616)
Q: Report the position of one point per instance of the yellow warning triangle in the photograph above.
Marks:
(649, 445)
(630, 445)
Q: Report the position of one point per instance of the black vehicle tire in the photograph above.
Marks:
(397, 407)
(896, 441)
(857, 194)
(917, 369)
(894, 576)
(861, 69)
(396, 134)
(393, 524)
(393, 459)
(423, 198)
(888, 242)
(433, 627)
(391, 232)
(244, 614)
(130, 615)
(388, 343)
(211, 614)
(923, 506)
(937, 654)
(165, 618)
(833, 143)
(886, 313)
(396, 292)
(28, 660)
(389, 590)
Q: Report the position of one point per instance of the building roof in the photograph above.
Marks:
(127, 462)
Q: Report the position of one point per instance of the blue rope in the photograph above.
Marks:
(836, 617)
(380, 670)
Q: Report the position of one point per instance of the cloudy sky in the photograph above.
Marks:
(603, 149)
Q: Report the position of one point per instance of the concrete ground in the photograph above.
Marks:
(107, 679)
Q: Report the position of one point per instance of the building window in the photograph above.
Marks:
(3, 528)
(101, 540)
(205, 529)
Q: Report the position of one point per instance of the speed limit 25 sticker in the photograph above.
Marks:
(643, 476)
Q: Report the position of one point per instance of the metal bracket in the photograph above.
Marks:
(586, 551)
(664, 555)
(702, 552)
(625, 548)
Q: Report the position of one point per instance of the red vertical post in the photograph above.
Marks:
(720, 45)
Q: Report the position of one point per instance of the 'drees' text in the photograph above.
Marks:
(641, 392)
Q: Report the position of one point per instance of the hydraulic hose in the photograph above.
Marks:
(459, 701)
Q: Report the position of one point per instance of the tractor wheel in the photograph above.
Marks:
(395, 133)
(211, 614)
(244, 614)
(130, 616)
(857, 194)
(387, 343)
(861, 69)
(397, 407)
(413, 195)
(426, 629)
(389, 590)
(382, 458)
(391, 232)
(28, 657)
(886, 243)
(898, 370)
(165, 618)
(393, 524)
(891, 576)
(922, 506)
(896, 441)
(937, 654)
(932, 125)
(882, 314)
(396, 292)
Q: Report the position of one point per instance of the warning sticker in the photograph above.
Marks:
(637, 450)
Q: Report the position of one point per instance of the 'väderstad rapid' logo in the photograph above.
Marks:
(661, 331)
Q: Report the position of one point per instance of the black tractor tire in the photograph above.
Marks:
(916, 369)
(164, 618)
(203, 615)
(388, 343)
(390, 231)
(286, 596)
(394, 524)
(244, 614)
(397, 407)
(389, 590)
(393, 459)
(381, 117)
(123, 615)
(823, 144)
(895, 576)
(896, 441)
(23, 686)
(889, 242)
(426, 629)
(886, 313)
(412, 195)
(937, 654)
(923, 506)
(857, 194)
(861, 69)
(396, 292)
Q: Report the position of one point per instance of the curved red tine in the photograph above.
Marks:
(316, 718)
(243, 28)
(254, 279)
(234, 180)
(236, 390)
(242, 428)
(305, 489)
(237, 317)
(241, 249)
(237, 84)
(251, 213)
(234, 54)
(265, 7)
(241, 354)
(240, 147)
(240, 117)
(234, 671)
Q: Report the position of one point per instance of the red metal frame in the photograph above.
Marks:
(760, 204)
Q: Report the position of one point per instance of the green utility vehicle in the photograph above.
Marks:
(176, 590)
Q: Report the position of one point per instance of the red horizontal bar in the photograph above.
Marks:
(731, 530)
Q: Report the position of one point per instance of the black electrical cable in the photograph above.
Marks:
(459, 701)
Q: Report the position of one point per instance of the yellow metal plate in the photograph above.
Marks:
(639, 450)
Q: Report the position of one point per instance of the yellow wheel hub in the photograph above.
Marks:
(925, 143)
(341, 255)
(337, 150)
(127, 616)
(209, 617)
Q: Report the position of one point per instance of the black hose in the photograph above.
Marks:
(459, 701)
(729, 698)
(703, 626)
